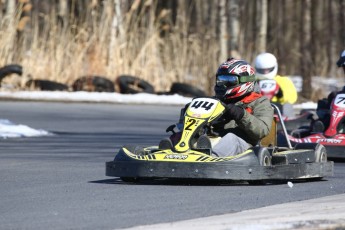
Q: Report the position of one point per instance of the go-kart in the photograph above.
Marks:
(188, 159)
(328, 130)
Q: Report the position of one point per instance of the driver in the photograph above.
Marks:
(322, 110)
(249, 112)
(284, 93)
(248, 117)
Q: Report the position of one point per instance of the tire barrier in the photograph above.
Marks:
(131, 85)
(186, 90)
(10, 69)
(46, 85)
(93, 84)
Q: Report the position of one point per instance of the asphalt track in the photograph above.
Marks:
(59, 182)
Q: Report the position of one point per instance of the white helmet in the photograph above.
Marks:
(266, 66)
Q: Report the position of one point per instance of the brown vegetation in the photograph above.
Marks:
(166, 41)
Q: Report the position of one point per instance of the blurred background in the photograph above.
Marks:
(167, 41)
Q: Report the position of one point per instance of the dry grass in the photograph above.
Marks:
(160, 47)
(104, 49)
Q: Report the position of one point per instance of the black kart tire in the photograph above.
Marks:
(10, 69)
(264, 159)
(320, 154)
(93, 84)
(263, 155)
(46, 85)
(186, 90)
(320, 150)
(132, 85)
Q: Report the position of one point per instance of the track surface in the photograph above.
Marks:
(59, 182)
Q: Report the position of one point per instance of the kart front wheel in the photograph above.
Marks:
(265, 159)
(263, 156)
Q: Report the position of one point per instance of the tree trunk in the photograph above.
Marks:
(234, 32)
(261, 25)
(10, 8)
(223, 31)
(305, 57)
(342, 24)
(332, 51)
(318, 38)
(62, 14)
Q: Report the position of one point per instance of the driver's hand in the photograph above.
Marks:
(234, 112)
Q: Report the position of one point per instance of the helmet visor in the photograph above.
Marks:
(264, 71)
(227, 80)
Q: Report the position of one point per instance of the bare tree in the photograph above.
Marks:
(341, 23)
(223, 39)
(63, 14)
(10, 8)
(317, 37)
(177, 37)
(332, 51)
(234, 10)
(261, 25)
(305, 56)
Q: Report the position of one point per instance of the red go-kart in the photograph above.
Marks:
(328, 129)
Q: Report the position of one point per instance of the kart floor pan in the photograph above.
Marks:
(222, 171)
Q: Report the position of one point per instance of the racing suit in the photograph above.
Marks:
(239, 135)
(287, 91)
(236, 136)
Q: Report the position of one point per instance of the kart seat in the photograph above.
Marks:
(271, 139)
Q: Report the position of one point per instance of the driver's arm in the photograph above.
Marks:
(258, 123)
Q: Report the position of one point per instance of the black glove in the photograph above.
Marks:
(234, 112)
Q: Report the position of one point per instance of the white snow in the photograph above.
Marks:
(9, 129)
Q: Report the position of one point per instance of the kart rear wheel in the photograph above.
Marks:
(319, 149)
(320, 154)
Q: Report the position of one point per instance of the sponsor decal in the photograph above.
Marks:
(331, 141)
(176, 157)
(196, 115)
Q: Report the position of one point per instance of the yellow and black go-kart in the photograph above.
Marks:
(187, 160)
